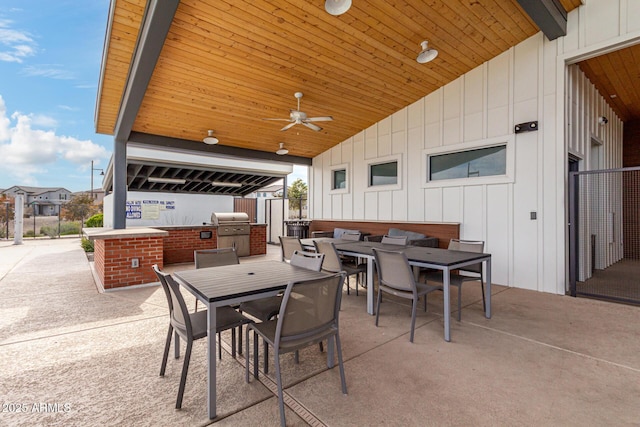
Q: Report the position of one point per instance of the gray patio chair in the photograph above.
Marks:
(348, 259)
(265, 309)
(395, 240)
(333, 263)
(396, 278)
(475, 270)
(309, 260)
(288, 244)
(298, 327)
(351, 235)
(215, 258)
(190, 326)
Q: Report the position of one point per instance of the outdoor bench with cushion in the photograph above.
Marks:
(413, 238)
(336, 233)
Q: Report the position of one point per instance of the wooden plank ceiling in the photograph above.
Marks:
(228, 64)
(616, 75)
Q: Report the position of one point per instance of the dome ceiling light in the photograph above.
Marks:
(337, 7)
(282, 151)
(427, 53)
(210, 139)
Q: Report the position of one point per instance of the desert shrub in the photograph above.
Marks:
(51, 231)
(66, 229)
(87, 244)
(28, 233)
(95, 221)
(69, 228)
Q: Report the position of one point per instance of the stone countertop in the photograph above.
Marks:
(195, 226)
(100, 233)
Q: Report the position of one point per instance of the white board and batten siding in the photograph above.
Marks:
(526, 83)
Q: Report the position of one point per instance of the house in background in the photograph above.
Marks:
(97, 194)
(268, 192)
(44, 200)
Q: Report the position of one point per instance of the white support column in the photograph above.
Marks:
(18, 213)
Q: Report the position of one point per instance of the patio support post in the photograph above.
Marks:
(18, 217)
(119, 184)
(285, 208)
(7, 204)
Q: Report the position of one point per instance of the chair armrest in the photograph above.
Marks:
(373, 238)
(429, 242)
(322, 234)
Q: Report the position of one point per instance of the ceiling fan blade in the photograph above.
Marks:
(279, 120)
(320, 119)
(290, 125)
(312, 126)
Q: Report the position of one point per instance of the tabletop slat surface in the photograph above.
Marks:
(436, 256)
(232, 281)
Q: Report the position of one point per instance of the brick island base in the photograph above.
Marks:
(124, 257)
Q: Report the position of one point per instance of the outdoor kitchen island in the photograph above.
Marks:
(124, 257)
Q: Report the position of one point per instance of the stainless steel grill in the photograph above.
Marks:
(234, 230)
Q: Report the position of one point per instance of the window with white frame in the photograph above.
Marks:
(338, 179)
(383, 173)
(479, 162)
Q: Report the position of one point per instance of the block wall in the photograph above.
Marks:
(113, 260)
(181, 242)
(258, 239)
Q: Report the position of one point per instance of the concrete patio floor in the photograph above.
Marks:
(73, 356)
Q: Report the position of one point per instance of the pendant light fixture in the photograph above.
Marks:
(210, 139)
(282, 151)
(337, 7)
(427, 53)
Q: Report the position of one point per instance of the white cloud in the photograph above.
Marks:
(27, 152)
(43, 121)
(16, 44)
(50, 71)
(4, 122)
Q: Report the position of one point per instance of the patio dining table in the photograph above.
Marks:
(440, 259)
(233, 284)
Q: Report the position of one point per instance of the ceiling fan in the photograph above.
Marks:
(297, 117)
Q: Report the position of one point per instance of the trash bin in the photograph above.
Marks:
(299, 229)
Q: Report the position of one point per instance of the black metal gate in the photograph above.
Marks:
(604, 234)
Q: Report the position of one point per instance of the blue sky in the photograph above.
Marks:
(50, 57)
(50, 54)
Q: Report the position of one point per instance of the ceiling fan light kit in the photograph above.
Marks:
(337, 7)
(427, 53)
(282, 151)
(210, 139)
(297, 117)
